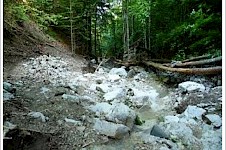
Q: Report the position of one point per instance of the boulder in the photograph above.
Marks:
(116, 93)
(117, 113)
(102, 88)
(182, 133)
(118, 71)
(214, 119)
(117, 131)
(159, 132)
(190, 86)
(169, 119)
(131, 73)
(121, 113)
(114, 77)
(212, 140)
(101, 108)
(194, 112)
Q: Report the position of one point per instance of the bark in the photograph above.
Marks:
(197, 71)
(197, 58)
(201, 62)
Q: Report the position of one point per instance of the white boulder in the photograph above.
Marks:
(119, 71)
(194, 112)
(190, 86)
(116, 93)
(117, 131)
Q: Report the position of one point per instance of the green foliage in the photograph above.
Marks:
(176, 29)
(138, 121)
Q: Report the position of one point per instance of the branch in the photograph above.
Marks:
(198, 71)
(201, 62)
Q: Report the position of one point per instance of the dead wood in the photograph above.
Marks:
(197, 71)
(201, 62)
(197, 58)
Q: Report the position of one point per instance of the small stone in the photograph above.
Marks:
(79, 123)
(7, 95)
(99, 81)
(38, 115)
(71, 97)
(81, 128)
(9, 87)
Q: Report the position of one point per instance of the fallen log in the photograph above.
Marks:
(197, 71)
(197, 58)
(201, 62)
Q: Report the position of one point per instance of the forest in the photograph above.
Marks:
(128, 29)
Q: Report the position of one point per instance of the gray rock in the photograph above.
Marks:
(214, 119)
(86, 100)
(212, 140)
(169, 119)
(157, 131)
(117, 131)
(101, 108)
(118, 71)
(7, 95)
(102, 88)
(131, 73)
(194, 112)
(71, 98)
(183, 134)
(118, 113)
(114, 77)
(38, 115)
(9, 87)
(190, 86)
(116, 93)
(121, 113)
(7, 127)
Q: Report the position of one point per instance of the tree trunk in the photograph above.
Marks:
(201, 62)
(197, 58)
(71, 20)
(196, 71)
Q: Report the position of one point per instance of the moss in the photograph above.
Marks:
(138, 121)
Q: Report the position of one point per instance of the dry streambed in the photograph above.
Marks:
(53, 103)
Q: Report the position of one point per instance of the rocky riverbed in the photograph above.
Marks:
(61, 107)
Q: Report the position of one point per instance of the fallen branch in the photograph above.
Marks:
(103, 61)
(201, 62)
(198, 71)
(197, 58)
